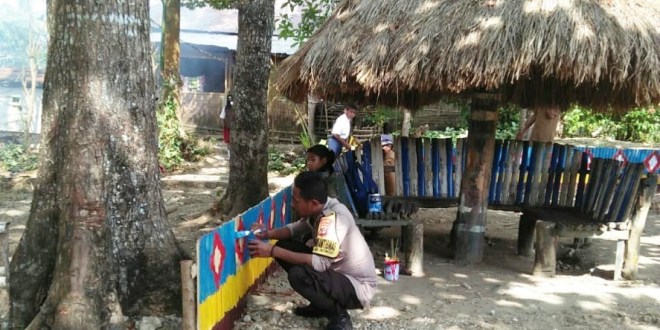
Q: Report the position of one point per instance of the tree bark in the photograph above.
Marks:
(97, 245)
(171, 48)
(642, 206)
(470, 226)
(248, 166)
(171, 56)
(407, 118)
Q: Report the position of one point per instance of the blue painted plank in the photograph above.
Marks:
(532, 173)
(366, 159)
(552, 174)
(493, 171)
(501, 170)
(560, 166)
(405, 167)
(435, 165)
(450, 167)
(421, 169)
(579, 195)
(524, 161)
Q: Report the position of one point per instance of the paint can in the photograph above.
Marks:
(391, 270)
(375, 203)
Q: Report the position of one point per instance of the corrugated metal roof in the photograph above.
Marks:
(212, 27)
(224, 40)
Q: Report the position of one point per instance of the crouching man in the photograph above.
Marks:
(334, 269)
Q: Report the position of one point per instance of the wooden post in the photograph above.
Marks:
(470, 225)
(188, 295)
(312, 101)
(4, 274)
(637, 226)
(407, 117)
(414, 249)
(545, 261)
(526, 233)
(618, 261)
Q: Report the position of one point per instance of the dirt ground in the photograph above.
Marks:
(498, 293)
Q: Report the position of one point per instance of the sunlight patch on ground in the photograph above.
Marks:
(451, 296)
(459, 275)
(13, 213)
(424, 320)
(508, 303)
(406, 298)
(437, 279)
(529, 292)
(491, 280)
(645, 261)
(587, 293)
(591, 305)
(381, 312)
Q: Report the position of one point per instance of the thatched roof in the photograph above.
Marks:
(596, 52)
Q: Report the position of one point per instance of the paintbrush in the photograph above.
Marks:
(245, 233)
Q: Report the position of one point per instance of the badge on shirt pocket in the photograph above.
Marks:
(327, 240)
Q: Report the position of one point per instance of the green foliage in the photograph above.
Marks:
(313, 15)
(637, 125)
(381, 116)
(507, 125)
(641, 125)
(306, 140)
(217, 4)
(507, 122)
(14, 158)
(285, 164)
(175, 146)
(450, 132)
(581, 122)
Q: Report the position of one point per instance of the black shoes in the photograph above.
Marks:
(340, 322)
(308, 311)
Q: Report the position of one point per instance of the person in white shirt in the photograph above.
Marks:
(341, 130)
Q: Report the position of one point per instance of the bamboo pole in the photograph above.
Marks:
(187, 295)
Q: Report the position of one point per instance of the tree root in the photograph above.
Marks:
(40, 319)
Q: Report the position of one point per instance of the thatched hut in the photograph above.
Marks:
(600, 53)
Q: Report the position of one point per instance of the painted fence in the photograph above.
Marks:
(226, 272)
(523, 172)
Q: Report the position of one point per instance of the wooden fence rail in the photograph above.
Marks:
(523, 173)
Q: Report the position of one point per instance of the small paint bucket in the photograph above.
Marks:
(391, 270)
(375, 203)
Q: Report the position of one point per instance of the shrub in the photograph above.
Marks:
(14, 158)
(174, 145)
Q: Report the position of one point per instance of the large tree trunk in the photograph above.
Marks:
(469, 228)
(248, 166)
(97, 245)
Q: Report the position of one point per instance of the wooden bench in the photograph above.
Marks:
(611, 203)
